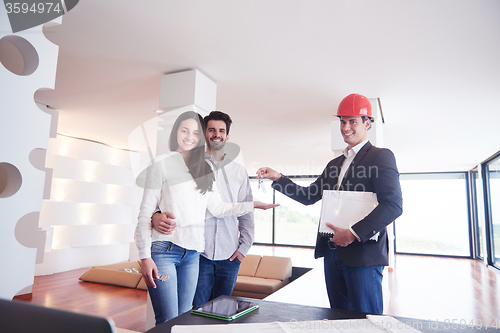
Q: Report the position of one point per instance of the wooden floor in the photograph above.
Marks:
(126, 306)
(419, 287)
(444, 289)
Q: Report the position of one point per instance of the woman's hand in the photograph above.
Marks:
(264, 206)
(149, 271)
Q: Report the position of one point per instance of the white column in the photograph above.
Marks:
(180, 92)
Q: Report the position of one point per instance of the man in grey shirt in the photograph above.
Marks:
(227, 241)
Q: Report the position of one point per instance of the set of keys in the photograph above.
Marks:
(261, 185)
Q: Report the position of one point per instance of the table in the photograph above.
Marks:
(271, 311)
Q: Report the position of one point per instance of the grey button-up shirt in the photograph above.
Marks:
(223, 236)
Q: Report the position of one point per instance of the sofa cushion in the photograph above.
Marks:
(249, 265)
(271, 267)
(142, 284)
(115, 274)
(258, 285)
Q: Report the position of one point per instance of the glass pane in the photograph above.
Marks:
(296, 224)
(263, 219)
(494, 176)
(435, 215)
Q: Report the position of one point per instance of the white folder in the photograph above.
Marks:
(344, 209)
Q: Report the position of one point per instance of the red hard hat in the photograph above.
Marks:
(355, 105)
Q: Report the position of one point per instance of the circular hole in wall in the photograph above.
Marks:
(18, 55)
(10, 180)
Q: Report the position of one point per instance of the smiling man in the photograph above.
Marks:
(354, 258)
(228, 240)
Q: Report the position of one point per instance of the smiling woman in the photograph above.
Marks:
(188, 135)
(185, 132)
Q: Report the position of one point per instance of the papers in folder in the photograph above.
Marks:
(344, 208)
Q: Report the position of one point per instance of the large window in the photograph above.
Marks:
(263, 218)
(441, 212)
(295, 223)
(435, 216)
(289, 224)
(492, 175)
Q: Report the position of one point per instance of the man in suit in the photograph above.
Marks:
(354, 258)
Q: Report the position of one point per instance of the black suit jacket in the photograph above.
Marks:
(372, 170)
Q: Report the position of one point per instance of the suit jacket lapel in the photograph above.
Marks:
(359, 156)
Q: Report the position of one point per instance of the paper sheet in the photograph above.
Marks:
(377, 324)
(230, 328)
(373, 324)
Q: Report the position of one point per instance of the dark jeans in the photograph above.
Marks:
(353, 288)
(216, 278)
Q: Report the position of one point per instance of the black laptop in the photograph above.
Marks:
(24, 317)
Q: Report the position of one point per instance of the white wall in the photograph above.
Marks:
(91, 215)
(64, 203)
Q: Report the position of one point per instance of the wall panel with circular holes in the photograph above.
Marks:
(28, 63)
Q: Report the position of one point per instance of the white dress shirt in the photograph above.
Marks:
(349, 155)
(223, 236)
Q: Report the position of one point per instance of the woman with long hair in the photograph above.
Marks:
(182, 183)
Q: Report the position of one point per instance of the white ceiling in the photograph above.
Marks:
(282, 67)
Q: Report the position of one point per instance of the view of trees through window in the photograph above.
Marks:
(296, 223)
(435, 216)
(263, 218)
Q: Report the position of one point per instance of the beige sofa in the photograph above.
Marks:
(260, 276)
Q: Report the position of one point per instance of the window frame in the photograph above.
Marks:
(490, 244)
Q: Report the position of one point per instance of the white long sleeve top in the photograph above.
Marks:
(170, 186)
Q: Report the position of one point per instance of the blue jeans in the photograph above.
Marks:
(353, 288)
(173, 296)
(216, 278)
